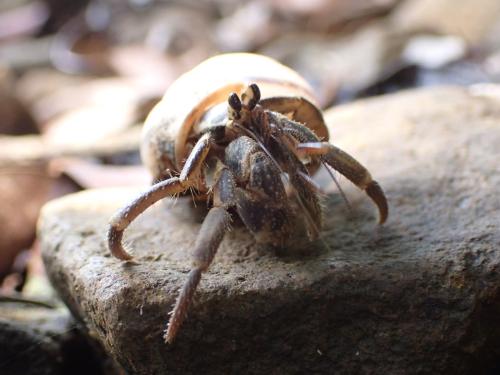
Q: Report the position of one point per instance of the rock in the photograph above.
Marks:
(340, 66)
(420, 294)
(37, 340)
(474, 20)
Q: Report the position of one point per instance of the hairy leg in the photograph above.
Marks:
(175, 185)
(301, 182)
(302, 110)
(350, 168)
(310, 145)
(209, 238)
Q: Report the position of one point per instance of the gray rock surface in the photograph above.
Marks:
(37, 340)
(419, 295)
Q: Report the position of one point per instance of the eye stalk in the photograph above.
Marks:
(234, 108)
(234, 102)
(251, 96)
(249, 100)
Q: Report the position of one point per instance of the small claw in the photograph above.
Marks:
(375, 192)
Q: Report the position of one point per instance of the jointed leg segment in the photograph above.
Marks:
(350, 168)
(252, 184)
(211, 233)
(209, 238)
(310, 145)
(175, 185)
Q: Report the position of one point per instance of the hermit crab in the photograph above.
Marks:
(242, 132)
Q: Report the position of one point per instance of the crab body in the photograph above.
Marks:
(251, 153)
(198, 99)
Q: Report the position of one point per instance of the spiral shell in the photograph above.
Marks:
(188, 101)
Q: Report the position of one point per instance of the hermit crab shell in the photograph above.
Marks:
(177, 117)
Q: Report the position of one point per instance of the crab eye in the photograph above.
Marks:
(234, 102)
(251, 96)
(256, 92)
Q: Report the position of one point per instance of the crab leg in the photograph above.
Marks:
(339, 160)
(175, 185)
(304, 112)
(350, 168)
(209, 238)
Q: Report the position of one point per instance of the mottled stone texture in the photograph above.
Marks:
(420, 295)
